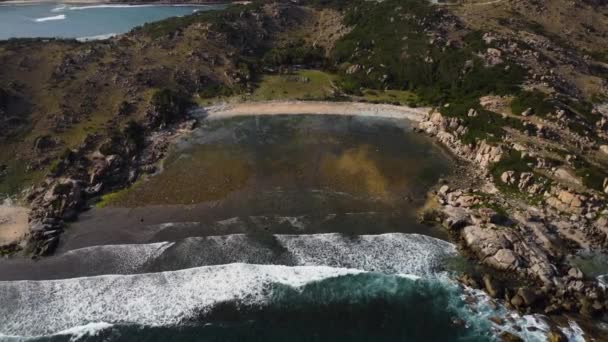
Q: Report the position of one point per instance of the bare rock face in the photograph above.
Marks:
(575, 273)
(508, 177)
(505, 259)
(449, 130)
(493, 246)
(503, 249)
(567, 201)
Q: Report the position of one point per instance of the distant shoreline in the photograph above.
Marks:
(105, 2)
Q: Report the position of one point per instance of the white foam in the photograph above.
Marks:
(91, 329)
(121, 259)
(59, 8)
(35, 308)
(80, 8)
(393, 253)
(573, 332)
(531, 328)
(53, 18)
(97, 37)
(602, 281)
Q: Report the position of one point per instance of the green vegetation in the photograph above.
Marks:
(302, 85)
(592, 176)
(511, 161)
(294, 53)
(215, 90)
(113, 197)
(176, 25)
(169, 104)
(532, 99)
(486, 125)
(134, 134)
(390, 44)
(16, 177)
(400, 97)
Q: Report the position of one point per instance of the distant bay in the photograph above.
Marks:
(84, 21)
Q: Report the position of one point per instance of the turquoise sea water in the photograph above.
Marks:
(84, 21)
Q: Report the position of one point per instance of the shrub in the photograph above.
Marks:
(134, 133)
(531, 99)
(298, 52)
(169, 104)
(397, 54)
(511, 161)
(215, 90)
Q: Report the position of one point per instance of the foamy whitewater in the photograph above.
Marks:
(84, 306)
(56, 17)
(34, 308)
(393, 253)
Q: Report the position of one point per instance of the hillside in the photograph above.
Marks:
(520, 91)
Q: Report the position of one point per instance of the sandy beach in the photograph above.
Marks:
(13, 224)
(314, 107)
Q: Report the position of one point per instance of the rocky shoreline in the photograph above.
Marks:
(509, 234)
(85, 174)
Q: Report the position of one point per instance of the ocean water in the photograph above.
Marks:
(84, 21)
(319, 287)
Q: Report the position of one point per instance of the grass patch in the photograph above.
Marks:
(302, 85)
(113, 197)
(399, 97)
(17, 177)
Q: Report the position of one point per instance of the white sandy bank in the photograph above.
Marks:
(314, 107)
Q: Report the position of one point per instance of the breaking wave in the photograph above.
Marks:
(53, 18)
(393, 253)
(33, 308)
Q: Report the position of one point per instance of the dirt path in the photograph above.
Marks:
(314, 107)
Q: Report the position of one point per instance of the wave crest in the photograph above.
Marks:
(53, 18)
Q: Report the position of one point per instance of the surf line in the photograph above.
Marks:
(57, 17)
